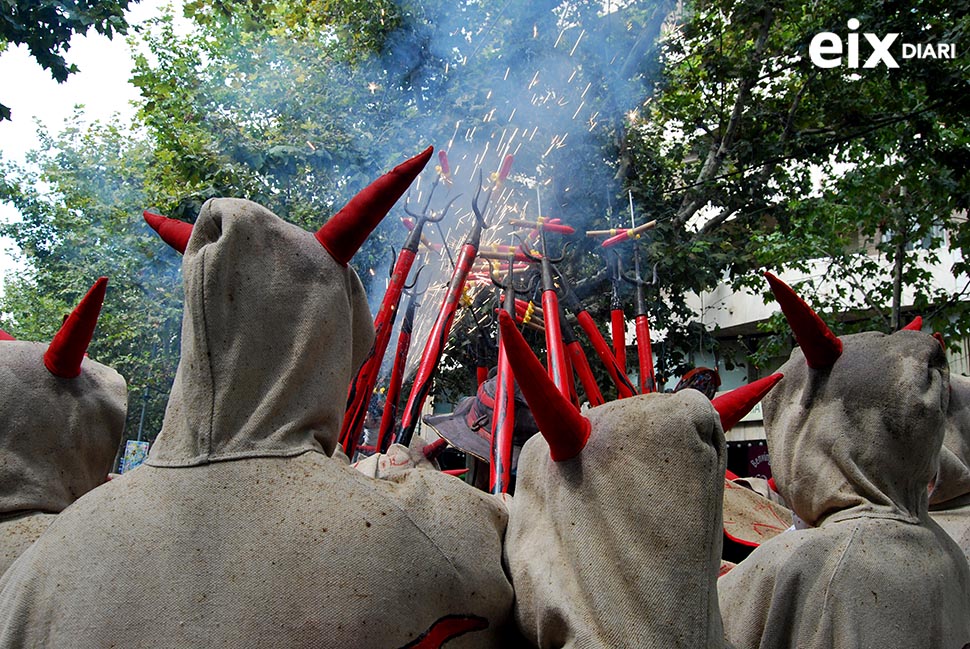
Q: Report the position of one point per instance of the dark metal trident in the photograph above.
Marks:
(442, 325)
(359, 393)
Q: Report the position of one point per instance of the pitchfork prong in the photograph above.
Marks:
(526, 250)
(437, 219)
(414, 282)
(480, 210)
(393, 255)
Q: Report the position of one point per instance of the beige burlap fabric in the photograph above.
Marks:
(58, 439)
(950, 500)
(750, 518)
(240, 531)
(620, 546)
(853, 448)
(398, 459)
(761, 487)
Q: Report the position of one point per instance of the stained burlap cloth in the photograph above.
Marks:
(58, 439)
(620, 546)
(853, 448)
(950, 500)
(240, 530)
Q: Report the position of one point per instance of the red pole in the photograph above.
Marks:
(624, 387)
(618, 330)
(648, 382)
(437, 338)
(503, 421)
(362, 386)
(389, 417)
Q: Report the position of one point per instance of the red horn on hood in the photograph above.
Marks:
(734, 405)
(564, 428)
(347, 230)
(173, 232)
(65, 353)
(915, 325)
(819, 345)
(5, 336)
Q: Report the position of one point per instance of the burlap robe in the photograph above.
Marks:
(58, 439)
(950, 500)
(240, 531)
(853, 448)
(620, 546)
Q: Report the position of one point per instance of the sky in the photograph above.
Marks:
(101, 87)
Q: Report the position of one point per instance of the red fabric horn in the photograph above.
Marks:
(5, 336)
(734, 405)
(915, 325)
(347, 230)
(173, 232)
(820, 346)
(564, 428)
(65, 353)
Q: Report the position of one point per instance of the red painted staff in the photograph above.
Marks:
(555, 350)
(362, 386)
(503, 418)
(580, 363)
(617, 317)
(623, 386)
(648, 382)
(389, 418)
(442, 325)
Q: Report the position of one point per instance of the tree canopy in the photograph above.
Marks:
(47, 26)
(709, 114)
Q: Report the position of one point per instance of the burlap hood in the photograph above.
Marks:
(861, 437)
(854, 445)
(953, 481)
(58, 436)
(620, 546)
(272, 332)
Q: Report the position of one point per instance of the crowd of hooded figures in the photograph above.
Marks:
(247, 528)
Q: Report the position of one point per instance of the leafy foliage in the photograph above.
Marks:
(47, 26)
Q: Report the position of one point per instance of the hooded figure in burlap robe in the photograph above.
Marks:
(614, 536)
(854, 430)
(240, 530)
(950, 500)
(62, 417)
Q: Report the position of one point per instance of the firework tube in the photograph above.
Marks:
(389, 417)
(518, 256)
(545, 224)
(503, 415)
(612, 232)
(503, 173)
(632, 233)
(439, 335)
(580, 363)
(624, 388)
(443, 167)
(361, 387)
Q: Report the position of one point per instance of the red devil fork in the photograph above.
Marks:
(648, 381)
(442, 324)
(389, 418)
(555, 349)
(503, 420)
(623, 386)
(361, 388)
